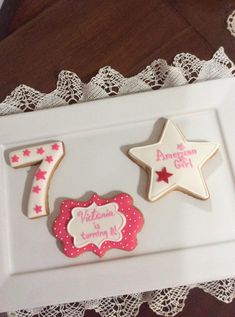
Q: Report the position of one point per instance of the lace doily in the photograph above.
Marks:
(185, 69)
(231, 23)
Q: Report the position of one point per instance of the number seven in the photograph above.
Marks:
(49, 155)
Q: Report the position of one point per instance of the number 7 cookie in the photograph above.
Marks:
(49, 156)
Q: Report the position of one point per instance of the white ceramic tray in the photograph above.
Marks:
(184, 240)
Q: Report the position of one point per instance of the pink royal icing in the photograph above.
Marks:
(98, 225)
(26, 152)
(40, 150)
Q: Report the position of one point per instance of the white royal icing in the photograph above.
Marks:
(96, 224)
(175, 163)
(48, 155)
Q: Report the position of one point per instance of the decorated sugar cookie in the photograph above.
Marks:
(98, 225)
(174, 163)
(49, 156)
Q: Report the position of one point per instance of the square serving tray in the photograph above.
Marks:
(183, 241)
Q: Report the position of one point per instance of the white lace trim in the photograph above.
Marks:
(185, 69)
(231, 23)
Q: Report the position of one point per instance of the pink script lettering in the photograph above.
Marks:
(88, 216)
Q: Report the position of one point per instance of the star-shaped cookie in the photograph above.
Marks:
(174, 163)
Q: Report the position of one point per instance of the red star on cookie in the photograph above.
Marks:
(15, 159)
(40, 150)
(49, 159)
(36, 189)
(40, 174)
(38, 208)
(55, 147)
(163, 175)
(26, 152)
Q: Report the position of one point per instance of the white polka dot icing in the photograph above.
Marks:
(97, 225)
(48, 155)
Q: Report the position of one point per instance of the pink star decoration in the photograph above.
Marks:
(55, 147)
(49, 159)
(26, 152)
(40, 150)
(180, 147)
(38, 208)
(15, 159)
(40, 174)
(36, 189)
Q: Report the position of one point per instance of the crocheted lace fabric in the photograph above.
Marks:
(231, 23)
(185, 69)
